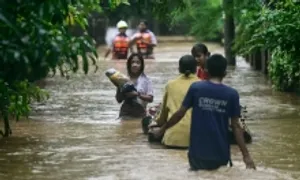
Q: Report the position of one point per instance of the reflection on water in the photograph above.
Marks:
(75, 135)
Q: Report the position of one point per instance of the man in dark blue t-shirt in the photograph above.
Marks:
(213, 105)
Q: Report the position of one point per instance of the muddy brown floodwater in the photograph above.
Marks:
(75, 134)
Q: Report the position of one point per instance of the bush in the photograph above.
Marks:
(35, 41)
(204, 18)
(276, 29)
(284, 71)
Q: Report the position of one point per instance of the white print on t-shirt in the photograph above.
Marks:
(211, 104)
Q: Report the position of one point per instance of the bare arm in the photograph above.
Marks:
(178, 115)
(147, 98)
(131, 43)
(149, 44)
(235, 112)
(239, 136)
(175, 118)
(109, 47)
(148, 95)
(108, 51)
(133, 40)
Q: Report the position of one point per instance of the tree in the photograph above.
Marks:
(153, 11)
(229, 30)
(204, 19)
(35, 42)
(275, 27)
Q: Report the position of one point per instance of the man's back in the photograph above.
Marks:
(213, 105)
(175, 92)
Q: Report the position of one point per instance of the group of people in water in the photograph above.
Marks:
(196, 110)
(144, 40)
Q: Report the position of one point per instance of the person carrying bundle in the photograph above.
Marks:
(134, 102)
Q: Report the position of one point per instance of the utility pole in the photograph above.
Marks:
(229, 31)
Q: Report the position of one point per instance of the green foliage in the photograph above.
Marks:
(162, 8)
(276, 29)
(246, 26)
(115, 3)
(35, 41)
(145, 9)
(205, 17)
(21, 94)
(35, 38)
(124, 11)
(284, 70)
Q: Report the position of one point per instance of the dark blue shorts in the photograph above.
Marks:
(200, 164)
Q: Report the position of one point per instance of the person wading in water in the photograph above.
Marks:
(144, 40)
(119, 46)
(213, 104)
(143, 86)
(201, 53)
(175, 90)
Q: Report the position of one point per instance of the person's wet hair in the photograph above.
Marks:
(187, 65)
(216, 66)
(198, 49)
(129, 62)
(145, 22)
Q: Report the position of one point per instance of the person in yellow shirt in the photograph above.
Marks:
(179, 135)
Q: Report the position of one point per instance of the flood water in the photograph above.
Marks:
(76, 134)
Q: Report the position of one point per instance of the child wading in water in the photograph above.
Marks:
(201, 53)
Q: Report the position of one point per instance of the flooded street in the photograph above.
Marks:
(75, 134)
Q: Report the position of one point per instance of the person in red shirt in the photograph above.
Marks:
(201, 53)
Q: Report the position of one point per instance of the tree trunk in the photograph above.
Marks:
(229, 31)
(7, 130)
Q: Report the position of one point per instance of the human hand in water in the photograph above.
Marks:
(152, 124)
(158, 131)
(249, 162)
(131, 94)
